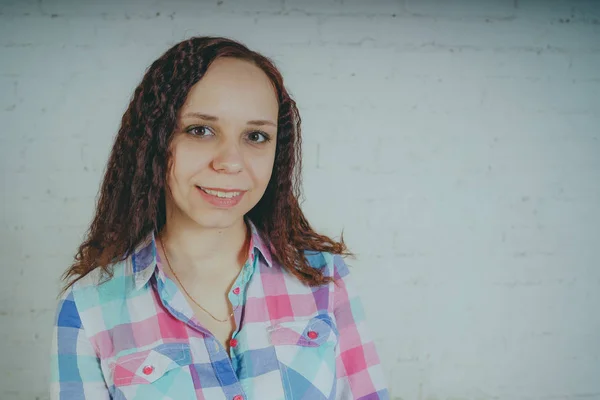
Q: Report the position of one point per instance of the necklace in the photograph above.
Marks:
(188, 295)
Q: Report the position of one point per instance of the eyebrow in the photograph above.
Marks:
(256, 122)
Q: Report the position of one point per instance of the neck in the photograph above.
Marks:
(194, 249)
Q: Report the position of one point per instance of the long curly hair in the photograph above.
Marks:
(131, 201)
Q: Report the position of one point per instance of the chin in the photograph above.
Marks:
(217, 219)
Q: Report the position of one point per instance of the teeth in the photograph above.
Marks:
(225, 195)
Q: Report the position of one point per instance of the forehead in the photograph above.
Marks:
(233, 88)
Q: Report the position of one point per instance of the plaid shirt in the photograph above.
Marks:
(135, 336)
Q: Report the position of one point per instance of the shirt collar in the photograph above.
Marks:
(144, 257)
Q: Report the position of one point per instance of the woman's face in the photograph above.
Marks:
(224, 146)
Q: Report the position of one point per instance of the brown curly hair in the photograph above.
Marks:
(131, 202)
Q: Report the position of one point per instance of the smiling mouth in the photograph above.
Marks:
(221, 193)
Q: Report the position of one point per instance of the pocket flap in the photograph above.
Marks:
(148, 365)
(308, 333)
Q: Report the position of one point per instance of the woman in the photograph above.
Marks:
(200, 277)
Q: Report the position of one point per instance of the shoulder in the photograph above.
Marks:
(98, 287)
(331, 264)
(86, 302)
(67, 315)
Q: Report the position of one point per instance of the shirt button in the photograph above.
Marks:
(233, 343)
(238, 397)
(236, 290)
(313, 334)
(148, 369)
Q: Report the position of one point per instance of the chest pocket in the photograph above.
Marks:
(161, 372)
(306, 352)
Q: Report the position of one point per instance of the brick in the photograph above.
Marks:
(344, 7)
(9, 100)
(585, 67)
(543, 96)
(35, 31)
(260, 32)
(485, 64)
(461, 9)
(410, 34)
(11, 8)
(560, 11)
(53, 185)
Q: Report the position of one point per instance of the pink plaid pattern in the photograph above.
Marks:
(135, 336)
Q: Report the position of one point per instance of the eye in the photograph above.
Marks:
(258, 137)
(200, 131)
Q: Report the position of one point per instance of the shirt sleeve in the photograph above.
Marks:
(359, 372)
(75, 371)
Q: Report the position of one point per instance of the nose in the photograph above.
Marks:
(228, 159)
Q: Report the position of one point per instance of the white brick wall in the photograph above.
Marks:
(463, 138)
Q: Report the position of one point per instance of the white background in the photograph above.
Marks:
(456, 143)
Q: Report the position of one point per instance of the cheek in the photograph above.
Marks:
(188, 160)
(262, 169)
